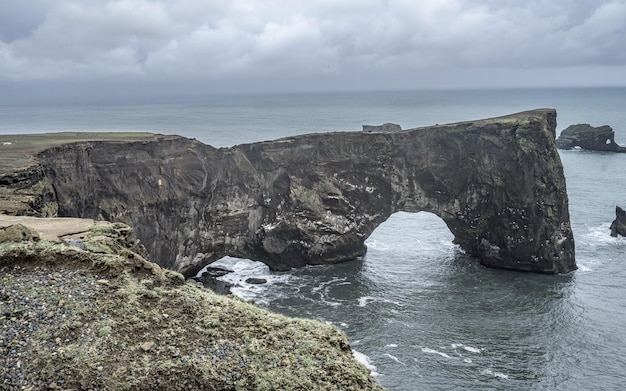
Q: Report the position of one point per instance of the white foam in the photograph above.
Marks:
(365, 300)
(472, 349)
(244, 269)
(433, 351)
(394, 358)
(376, 245)
(601, 236)
(331, 303)
(465, 347)
(363, 359)
(322, 290)
(325, 285)
(489, 372)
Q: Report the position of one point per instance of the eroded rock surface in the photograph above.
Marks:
(587, 137)
(497, 183)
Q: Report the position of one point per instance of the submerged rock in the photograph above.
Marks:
(256, 280)
(497, 183)
(209, 279)
(587, 137)
(618, 226)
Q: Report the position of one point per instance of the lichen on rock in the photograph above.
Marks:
(79, 319)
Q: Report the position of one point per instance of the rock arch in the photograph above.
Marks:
(497, 183)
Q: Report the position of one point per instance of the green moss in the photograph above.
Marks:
(104, 331)
(96, 247)
(242, 161)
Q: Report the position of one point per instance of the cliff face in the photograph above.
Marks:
(498, 184)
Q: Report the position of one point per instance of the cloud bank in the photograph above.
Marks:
(357, 43)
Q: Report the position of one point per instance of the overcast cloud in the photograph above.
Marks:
(313, 44)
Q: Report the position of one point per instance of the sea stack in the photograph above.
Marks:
(585, 136)
(618, 226)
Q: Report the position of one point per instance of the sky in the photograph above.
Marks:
(132, 47)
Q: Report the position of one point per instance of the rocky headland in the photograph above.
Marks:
(81, 308)
(587, 137)
(497, 183)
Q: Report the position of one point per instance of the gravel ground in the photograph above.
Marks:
(72, 319)
(43, 306)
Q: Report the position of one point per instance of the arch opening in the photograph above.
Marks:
(410, 234)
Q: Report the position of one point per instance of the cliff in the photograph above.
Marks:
(497, 183)
(88, 311)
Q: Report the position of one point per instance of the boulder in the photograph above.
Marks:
(17, 233)
(590, 138)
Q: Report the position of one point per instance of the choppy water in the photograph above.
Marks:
(424, 315)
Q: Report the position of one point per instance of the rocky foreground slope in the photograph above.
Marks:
(497, 183)
(89, 312)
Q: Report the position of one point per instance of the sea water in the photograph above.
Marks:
(422, 314)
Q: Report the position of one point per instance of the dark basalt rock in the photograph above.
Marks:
(209, 279)
(618, 226)
(256, 280)
(388, 127)
(587, 137)
(497, 183)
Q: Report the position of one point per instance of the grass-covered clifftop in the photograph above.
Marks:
(93, 313)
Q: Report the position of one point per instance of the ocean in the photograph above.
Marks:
(418, 311)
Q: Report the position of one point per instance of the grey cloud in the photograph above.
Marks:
(18, 19)
(327, 39)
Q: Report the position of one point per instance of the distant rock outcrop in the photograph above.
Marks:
(497, 183)
(587, 137)
(388, 127)
(618, 226)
